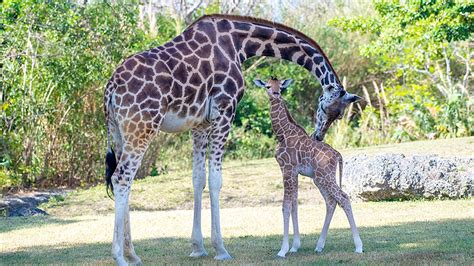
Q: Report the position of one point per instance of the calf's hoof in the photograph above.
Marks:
(223, 256)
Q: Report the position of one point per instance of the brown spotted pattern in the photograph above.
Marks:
(193, 82)
(296, 154)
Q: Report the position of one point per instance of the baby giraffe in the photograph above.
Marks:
(297, 153)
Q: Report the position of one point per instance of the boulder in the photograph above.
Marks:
(397, 177)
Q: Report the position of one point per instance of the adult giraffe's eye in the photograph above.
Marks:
(342, 93)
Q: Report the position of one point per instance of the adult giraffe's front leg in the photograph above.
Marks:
(200, 139)
(219, 131)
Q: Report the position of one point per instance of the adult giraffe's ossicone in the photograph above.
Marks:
(194, 82)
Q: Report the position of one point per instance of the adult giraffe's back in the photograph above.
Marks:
(194, 82)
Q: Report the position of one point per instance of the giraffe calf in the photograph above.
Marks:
(297, 153)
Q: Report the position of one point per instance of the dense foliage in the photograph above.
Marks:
(412, 63)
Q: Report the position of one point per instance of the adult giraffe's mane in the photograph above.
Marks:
(276, 25)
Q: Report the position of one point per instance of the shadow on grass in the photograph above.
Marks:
(8, 224)
(445, 241)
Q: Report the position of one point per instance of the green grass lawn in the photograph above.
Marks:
(79, 229)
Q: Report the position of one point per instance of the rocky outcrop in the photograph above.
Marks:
(26, 205)
(395, 177)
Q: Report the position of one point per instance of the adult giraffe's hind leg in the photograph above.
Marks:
(133, 148)
(199, 183)
(129, 250)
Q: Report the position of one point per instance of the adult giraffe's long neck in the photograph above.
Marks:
(283, 124)
(256, 37)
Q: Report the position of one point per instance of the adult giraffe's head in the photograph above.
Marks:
(332, 104)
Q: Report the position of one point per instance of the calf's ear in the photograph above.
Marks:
(285, 84)
(259, 83)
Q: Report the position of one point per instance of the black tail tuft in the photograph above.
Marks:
(110, 165)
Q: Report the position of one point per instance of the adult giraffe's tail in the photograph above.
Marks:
(110, 160)
(110, 165)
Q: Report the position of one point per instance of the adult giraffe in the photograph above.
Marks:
(195, 82)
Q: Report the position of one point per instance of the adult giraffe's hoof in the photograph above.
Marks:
(223, 256)
(319, 249)
(198, 254)
(359, 251)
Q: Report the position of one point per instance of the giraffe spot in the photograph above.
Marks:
(152, 91)
(310, 51)
(300, 60)
(318, 59)
(181, 73)
(326, 79)
(268, 51)
(287, 52)
(237, 39)
(241, 25)
(219, 78)
(134, 85)
(220, 61)
(205, 68)
(201, 94)
(240, 95)
(200, 38)
(318, 72)
(161, 67)
(237, 75)
(195, 79)
(164, 56)
(229, 87)
(222, 99)
(125, 75)
(226, 44)
(189, 93)
(156, 49)
(251, 48)
(144, 72)
(178, 39)
(163, 82)
(224, 26)
(204, 52)
(120, 69)
(193, 44)
(208, 29)
(192, 110)
(283, 38)
(308, 64)
(192, 60)
(331, 78)
(262, 33)
(323, 69)
(127, 100)
(149, 58)
(130, 63)
(184, 49)
(183, 112)
(176, 90)
(177, 55)
(188, 34)
(172, 63)
(171, 50)
(168, 44)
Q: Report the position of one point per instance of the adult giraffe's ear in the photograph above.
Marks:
(285, 84)
(351, 98)
(260, 83)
